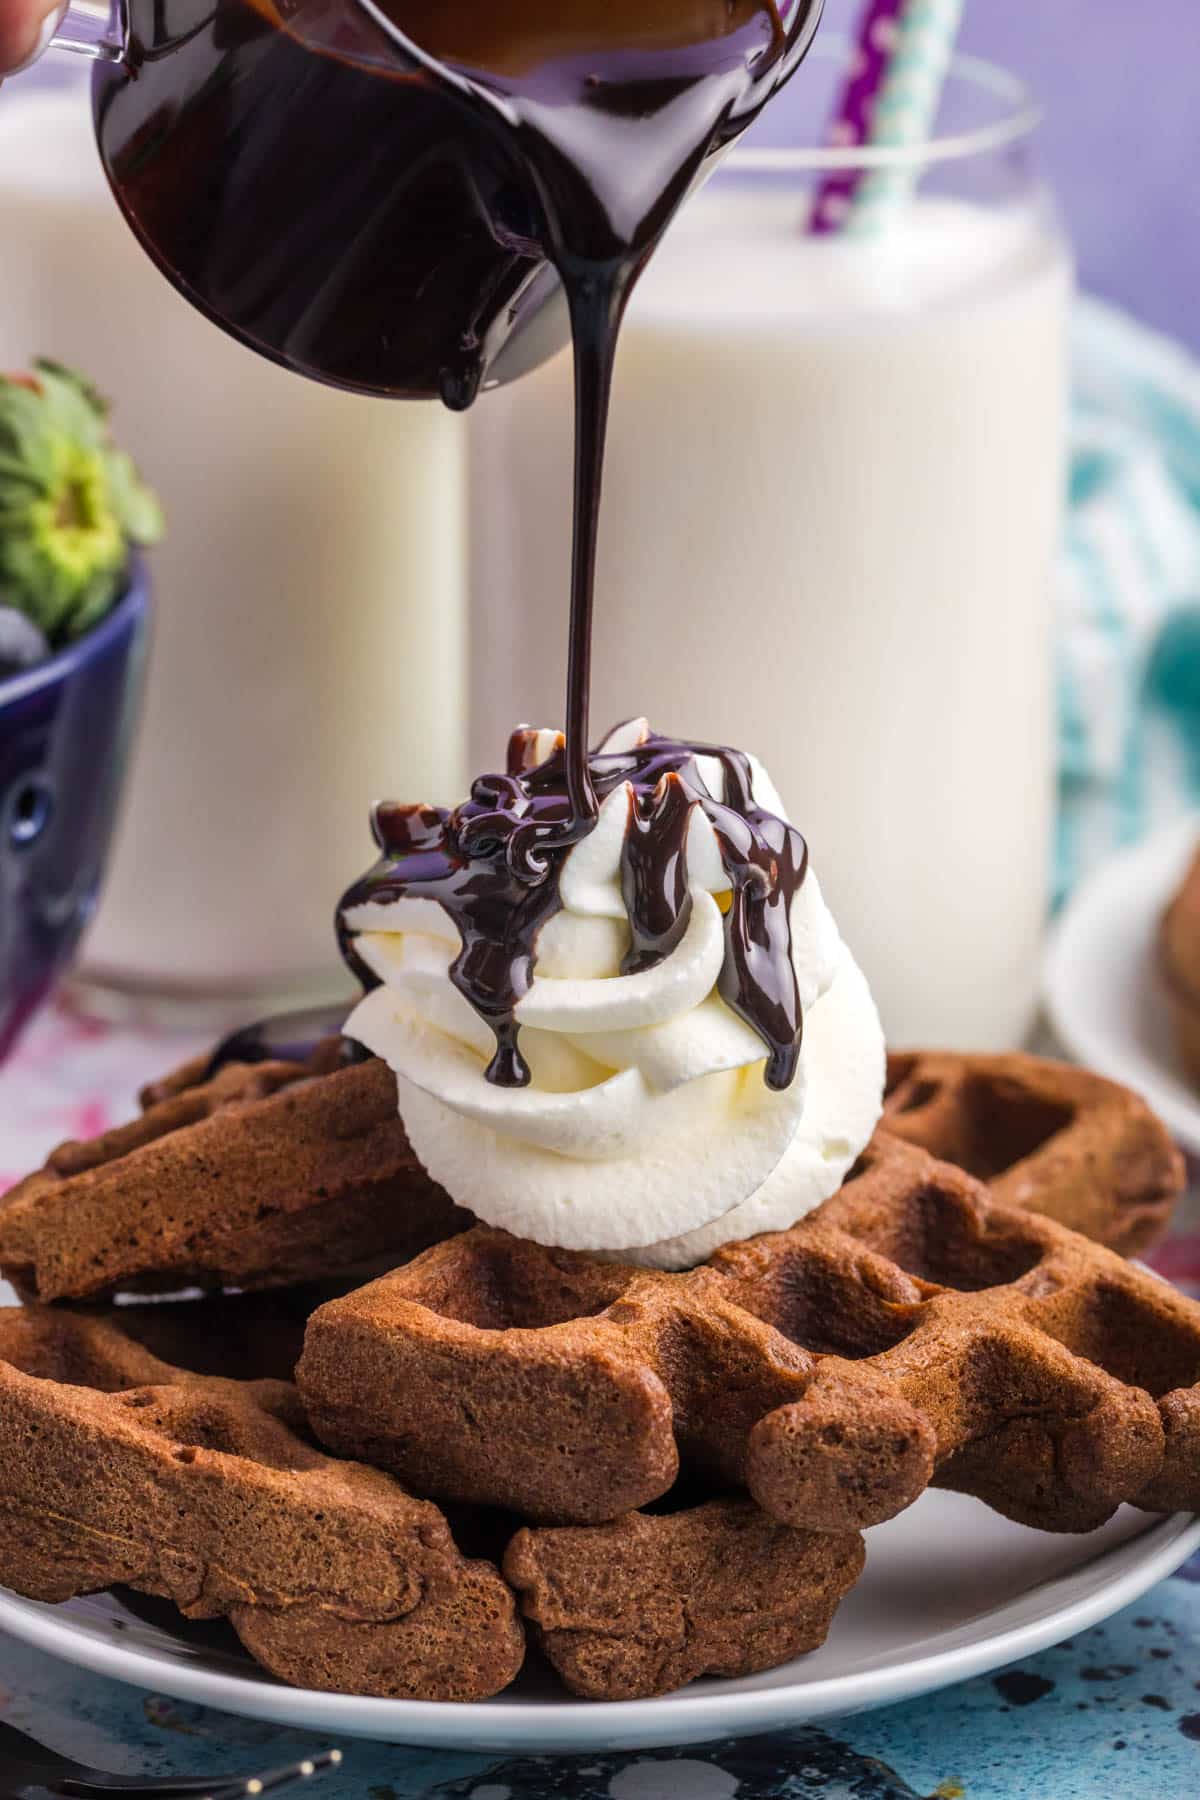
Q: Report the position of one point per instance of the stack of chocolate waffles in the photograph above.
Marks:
(402, 1488)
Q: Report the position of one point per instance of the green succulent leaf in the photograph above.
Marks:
(71, 503)
(137, 507)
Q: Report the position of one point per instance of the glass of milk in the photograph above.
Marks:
(308, 653)
(832, 503)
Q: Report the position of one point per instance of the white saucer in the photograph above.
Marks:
(1103, 991)
(950, 1590)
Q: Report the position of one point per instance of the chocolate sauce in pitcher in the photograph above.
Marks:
(387, 194)
(375, 194)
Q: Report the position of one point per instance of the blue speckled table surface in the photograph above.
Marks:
(1116, 1709)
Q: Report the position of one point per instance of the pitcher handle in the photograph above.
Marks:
(94, 28)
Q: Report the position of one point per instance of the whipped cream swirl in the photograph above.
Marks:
(646, 1129)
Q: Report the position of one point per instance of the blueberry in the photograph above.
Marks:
(21, 642)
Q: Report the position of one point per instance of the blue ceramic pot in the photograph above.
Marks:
(65, 732)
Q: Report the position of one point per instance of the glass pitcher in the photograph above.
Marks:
(334, 196)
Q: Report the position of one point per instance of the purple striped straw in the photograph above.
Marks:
(852, 120)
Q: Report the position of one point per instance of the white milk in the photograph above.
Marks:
(833, 492)
(308, 651)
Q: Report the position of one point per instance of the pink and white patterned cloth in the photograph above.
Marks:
(74, 1077)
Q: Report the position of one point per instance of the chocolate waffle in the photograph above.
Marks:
(1044, 1135)
(266, 1175)
(910, 1330)
(203, 1490)
(115, 1467)
(643, 1605)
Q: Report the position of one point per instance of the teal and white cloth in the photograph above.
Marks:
(1128, 592)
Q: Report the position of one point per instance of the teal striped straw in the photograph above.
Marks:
(905, 109)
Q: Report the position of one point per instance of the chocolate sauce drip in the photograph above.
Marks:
(478, 864)
(654, 873)
(495, 864)
(766, 859)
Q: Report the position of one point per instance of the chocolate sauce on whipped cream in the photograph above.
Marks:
(612, 107)
(494, 865)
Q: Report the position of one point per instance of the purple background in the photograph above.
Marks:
(1121, 145)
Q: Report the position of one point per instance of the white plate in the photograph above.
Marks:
(1103, 990)
(950, 1590)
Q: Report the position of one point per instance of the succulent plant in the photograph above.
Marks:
(71, 503)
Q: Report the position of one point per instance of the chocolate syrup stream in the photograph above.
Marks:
(611, 142)
(596, 309)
